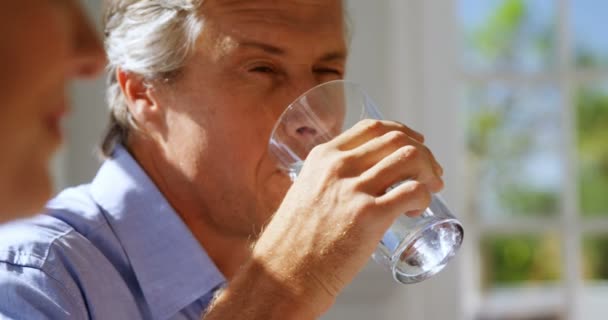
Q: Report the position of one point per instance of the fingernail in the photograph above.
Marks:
(414, 213)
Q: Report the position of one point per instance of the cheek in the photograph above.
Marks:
(242, 138)
(35, 52)
(33, 63)
(185, 143)
(240, 153)
(25, 181)
(25, 132)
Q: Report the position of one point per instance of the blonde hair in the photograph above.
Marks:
(151, 38)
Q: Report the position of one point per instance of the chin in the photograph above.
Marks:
(275, 189)
(25, 197)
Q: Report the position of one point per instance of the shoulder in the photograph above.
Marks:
(67, 259)
(30, 293)
(67, 233)
(76, 207)
(28, 242)
(67, 218)
(30, 280)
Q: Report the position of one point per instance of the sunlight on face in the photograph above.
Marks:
(252, 59)
(224, 46)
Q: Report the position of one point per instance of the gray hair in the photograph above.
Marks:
(151, 38)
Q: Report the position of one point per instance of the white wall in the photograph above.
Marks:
(77, 162)
(403, 53)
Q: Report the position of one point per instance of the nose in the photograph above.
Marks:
(88, 56)
(316, 116)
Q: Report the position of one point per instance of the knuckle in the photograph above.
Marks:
(329, 159)
(428, 152)
(440, 183)
(396, 124)
(316, 150)
(362, 183)
(409, 152)
(397, 138)
(320, 151)
(416, 187)
(367, 207)
(338, 163)
(436, 184)
(364, 209)
(347, 157)
(342, 159)
(371, 125)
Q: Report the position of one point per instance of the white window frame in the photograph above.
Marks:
(442, 77)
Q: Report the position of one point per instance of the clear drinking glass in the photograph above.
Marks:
(413, 249)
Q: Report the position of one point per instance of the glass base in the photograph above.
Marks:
(427, 251)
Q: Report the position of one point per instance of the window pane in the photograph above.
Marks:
(592, 120)
(595, 257)
(521, 276)
(513, 141)
(524, 260)
(589, 25)
(508, 34)
(595, 269)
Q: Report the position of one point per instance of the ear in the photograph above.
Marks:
(141, 100)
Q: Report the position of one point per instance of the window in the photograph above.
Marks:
(534, 103)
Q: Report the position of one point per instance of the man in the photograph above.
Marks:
(189, 216)
(45, 44)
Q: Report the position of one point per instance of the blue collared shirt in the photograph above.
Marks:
(112, 249)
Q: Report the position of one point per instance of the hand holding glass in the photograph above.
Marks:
(413, 249)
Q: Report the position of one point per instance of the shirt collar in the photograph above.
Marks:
(172, 268)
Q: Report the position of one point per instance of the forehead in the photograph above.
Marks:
(295, 16)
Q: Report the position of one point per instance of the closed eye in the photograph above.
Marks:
(262, 69)
(328, 71)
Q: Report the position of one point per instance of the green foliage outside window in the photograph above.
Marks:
(511, 260)
(592, 125)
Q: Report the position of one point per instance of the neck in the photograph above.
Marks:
(228, 250)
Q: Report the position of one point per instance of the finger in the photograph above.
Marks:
(368, 154)
(414, 213)
(411, 196)
(412, 133)
(436, 166)
(406, 163)
(369, 129)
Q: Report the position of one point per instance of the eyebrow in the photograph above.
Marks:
(271, 49)
(263, 46)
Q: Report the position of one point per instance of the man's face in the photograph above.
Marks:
(252, 59)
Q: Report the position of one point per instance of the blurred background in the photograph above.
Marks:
(512, 96)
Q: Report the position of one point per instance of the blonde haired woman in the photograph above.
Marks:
(45, 44)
